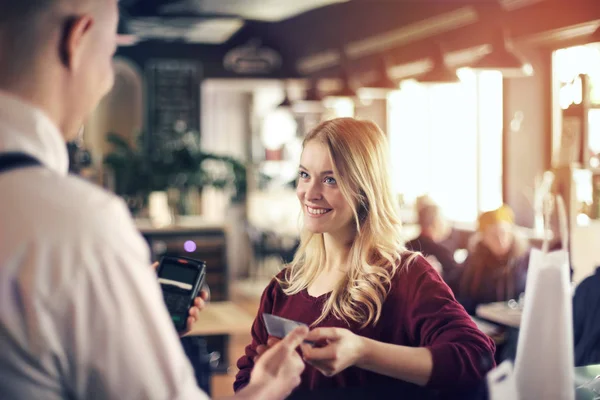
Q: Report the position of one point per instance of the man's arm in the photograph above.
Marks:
(119, 339)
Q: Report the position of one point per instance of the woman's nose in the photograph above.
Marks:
(313, 191)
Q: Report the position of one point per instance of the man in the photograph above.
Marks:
(434, 230)
(81, 311)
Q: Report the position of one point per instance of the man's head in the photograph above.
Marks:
(57, 55)
(432, 222)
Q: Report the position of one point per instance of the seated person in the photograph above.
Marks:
(496, 267)
(586, 321)
(380, 315)
(434, 230)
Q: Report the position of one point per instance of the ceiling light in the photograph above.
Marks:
(503, 58)
(382, 86)
(346, 91)
(312, 101)
(439, 73)
(286, 103)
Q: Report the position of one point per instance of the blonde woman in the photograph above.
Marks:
(380, 315)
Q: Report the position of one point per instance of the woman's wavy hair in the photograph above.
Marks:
(359, 154)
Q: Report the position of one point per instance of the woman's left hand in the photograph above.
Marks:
(342, 349)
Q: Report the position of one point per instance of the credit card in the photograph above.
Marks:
(279, 327)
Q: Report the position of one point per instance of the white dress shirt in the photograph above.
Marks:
(81, 312)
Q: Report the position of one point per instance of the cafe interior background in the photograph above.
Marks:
(202, 132)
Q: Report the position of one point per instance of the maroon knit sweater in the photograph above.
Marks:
(419, 311)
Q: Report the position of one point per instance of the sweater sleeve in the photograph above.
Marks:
(462, 354)
(259, 336)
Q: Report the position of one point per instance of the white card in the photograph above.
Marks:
(279, 327)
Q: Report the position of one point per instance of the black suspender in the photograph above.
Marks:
(10, 161)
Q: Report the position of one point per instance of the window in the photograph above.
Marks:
(446, 141)
(568, 65)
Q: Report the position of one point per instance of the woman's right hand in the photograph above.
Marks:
(278, 368)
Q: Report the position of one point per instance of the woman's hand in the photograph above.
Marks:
(342, 349)
(199, 305)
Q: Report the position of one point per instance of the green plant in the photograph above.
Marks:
(182, 165)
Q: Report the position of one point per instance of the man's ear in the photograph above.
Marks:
(76, 31)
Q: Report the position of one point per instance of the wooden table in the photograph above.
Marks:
(500, 313)
(222, 318)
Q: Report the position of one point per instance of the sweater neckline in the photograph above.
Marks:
(322, 297)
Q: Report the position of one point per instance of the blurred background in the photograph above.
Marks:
(485, 103)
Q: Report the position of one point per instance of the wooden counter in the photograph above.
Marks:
(222, 318)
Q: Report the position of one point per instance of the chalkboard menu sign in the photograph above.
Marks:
(173, 101)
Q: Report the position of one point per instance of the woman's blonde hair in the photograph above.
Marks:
(359, 154)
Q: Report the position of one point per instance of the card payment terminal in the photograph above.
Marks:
(180, 279)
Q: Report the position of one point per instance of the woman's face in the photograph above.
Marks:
(499, 238)
(324, 208)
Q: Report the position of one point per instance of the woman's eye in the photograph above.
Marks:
(329, 180)
(302, 174)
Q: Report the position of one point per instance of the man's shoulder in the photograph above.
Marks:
(83, 202)
(66, 207)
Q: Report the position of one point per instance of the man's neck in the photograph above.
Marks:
(43, 91)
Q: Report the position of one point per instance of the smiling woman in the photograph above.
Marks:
(374, 306)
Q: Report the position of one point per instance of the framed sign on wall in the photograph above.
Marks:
(173, 101)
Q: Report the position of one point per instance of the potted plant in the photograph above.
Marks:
(182, 166)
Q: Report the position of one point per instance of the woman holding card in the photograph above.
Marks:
(379, 314)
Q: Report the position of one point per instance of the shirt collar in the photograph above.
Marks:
(27, 129)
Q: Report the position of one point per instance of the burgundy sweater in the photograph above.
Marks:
(419, 311)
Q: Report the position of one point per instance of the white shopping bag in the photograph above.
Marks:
(501, 382)
(544, 364)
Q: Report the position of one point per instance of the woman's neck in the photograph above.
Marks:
(337, 252)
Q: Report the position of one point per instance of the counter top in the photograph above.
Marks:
(183, 224)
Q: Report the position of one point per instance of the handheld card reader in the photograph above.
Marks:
(180, 279)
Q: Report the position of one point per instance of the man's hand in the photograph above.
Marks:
(262, 348)
(199, 305)
(277, 371)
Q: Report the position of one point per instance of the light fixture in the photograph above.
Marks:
(382, 85)
(346, 91)
(278, 127)
(312, 94)
(286, 103)
(439, 73)
(503, 58)
(312, 101)
(595, 37)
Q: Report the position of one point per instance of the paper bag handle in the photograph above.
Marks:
(563, 223)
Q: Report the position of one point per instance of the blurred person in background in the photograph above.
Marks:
(435, 229)
(496, 267)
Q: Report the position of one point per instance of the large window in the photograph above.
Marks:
(568, 66)
(446, 141)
